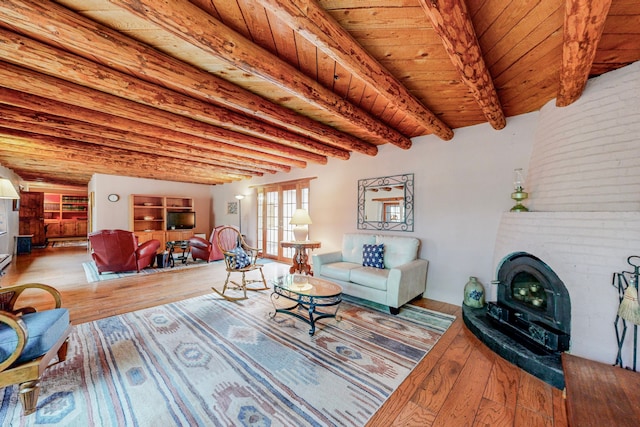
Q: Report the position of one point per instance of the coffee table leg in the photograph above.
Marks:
(312, 321)
(310, 306)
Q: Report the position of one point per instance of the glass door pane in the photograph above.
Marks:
(276, 205)
(271, 224)
(288, 208)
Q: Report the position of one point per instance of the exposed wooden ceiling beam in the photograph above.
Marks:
(24, 80)
(583, 25)
(62, 127)
(311, 21)
(75, 156)
(451, 21)
(55, 62)
(93, 117)
(96, 42)
(200, 29)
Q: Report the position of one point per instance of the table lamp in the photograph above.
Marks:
(301, 220)
(7, 190)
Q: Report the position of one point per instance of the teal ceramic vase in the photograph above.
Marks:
(473, 293)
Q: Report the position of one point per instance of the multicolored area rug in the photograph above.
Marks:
(210, 362)
(91, 271)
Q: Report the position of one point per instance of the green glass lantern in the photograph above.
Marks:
(519, 195)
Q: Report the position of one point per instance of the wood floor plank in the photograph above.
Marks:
(503, 383)
(525, 417)
(463, 401)
(402, 395)
(414, 415)
(559, 409)
(493, 414)
(434, 391)
(535, 395)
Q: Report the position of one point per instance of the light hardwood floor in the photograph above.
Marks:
(459, 383)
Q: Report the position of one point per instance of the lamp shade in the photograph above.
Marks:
(7, 190)
(300, 217)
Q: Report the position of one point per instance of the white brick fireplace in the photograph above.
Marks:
(584, 186)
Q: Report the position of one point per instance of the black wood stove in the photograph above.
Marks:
(532, 302)
(530, 323)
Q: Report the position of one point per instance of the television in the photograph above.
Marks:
(181, 220)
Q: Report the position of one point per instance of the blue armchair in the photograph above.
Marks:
(29, 341)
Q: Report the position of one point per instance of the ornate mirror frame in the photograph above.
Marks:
(402, 186)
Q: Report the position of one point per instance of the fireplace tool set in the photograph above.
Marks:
(627, 284)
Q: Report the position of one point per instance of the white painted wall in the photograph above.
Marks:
(7, 241)
(586, 156)
(461, 189)
(110, 215)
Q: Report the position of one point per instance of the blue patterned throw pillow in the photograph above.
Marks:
(373, 256)
(241, 259)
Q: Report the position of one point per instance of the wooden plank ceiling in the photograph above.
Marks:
(214, 91)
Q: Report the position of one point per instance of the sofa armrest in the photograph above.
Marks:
(406, 282)
(148, 248)
(200, 243)
(318, 260)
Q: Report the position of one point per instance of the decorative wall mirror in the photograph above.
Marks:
(386, 203)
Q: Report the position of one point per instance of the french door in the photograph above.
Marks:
(276, 205)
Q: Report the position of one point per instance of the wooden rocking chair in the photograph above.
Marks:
(239, 258)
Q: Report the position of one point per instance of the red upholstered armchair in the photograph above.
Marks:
(118, 250)
(207, 250)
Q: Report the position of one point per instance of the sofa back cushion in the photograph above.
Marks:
(352, 246)
(398, 250)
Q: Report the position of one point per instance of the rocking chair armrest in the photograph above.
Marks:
(16, 290)
(248, 248)
(15, 323)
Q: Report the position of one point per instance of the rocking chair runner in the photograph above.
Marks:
(239, 258)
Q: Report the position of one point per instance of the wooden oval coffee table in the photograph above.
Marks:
(307, 294)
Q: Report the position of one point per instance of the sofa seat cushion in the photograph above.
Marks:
(370, 277)
(339, 270)
(44, 328)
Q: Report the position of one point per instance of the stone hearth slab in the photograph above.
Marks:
(547, 367)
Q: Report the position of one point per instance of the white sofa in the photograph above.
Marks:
(403, 278)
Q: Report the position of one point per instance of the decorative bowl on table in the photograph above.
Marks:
(300, 283)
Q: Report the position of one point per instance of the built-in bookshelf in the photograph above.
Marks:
(148, 217)
(65, 215)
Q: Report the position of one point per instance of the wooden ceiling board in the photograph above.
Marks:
(285, 42)
(227, 12)
(485, 12)
(326, 70)
(518, 42)
(260, 27)
(307, 57)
